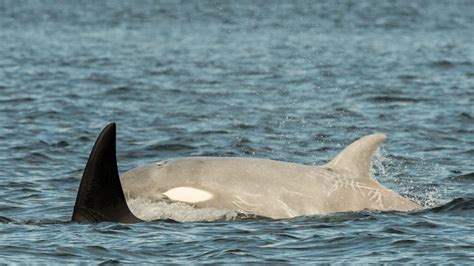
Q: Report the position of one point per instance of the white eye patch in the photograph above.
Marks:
(188, 194)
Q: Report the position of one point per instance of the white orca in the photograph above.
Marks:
(261, 187)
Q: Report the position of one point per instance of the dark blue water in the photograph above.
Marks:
(293, 81)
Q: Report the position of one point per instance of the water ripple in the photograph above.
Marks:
(294, 81)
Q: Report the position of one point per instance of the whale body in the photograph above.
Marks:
(262, 187)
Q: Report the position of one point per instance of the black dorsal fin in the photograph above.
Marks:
(100, 197)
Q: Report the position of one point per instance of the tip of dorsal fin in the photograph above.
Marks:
(100, 197)
(356, 159)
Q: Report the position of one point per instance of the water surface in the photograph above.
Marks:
(291, 81)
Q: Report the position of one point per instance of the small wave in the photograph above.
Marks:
(44, 144)
(5, 220)
(404, 243)
(242, 126)
(459, 205)
(346, 216)
(60, 144)
(102, 79)
(110, 262)
(395, 99)
(466, 178)
(169, 147)
(17, 100)
(119, 90)
(466, 117)
(407, 77)
(442, 64)
(36, 157)
(245, 146)
(213, 131)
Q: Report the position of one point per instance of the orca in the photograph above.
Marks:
(262, 187)
(100, 196)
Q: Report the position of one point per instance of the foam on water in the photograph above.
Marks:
(148, 210)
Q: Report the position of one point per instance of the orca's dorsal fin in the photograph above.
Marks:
(100, 197)
(355, 161)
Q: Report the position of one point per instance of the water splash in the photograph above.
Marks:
(149, 210)
(378, 166)
(426, 196)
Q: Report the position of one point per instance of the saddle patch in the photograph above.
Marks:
(188, 194)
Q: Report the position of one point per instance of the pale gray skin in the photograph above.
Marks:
(271, 188)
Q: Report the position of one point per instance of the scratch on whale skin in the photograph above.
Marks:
(286, 208)
(241, 201)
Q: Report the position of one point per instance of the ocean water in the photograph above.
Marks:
(294, 81)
